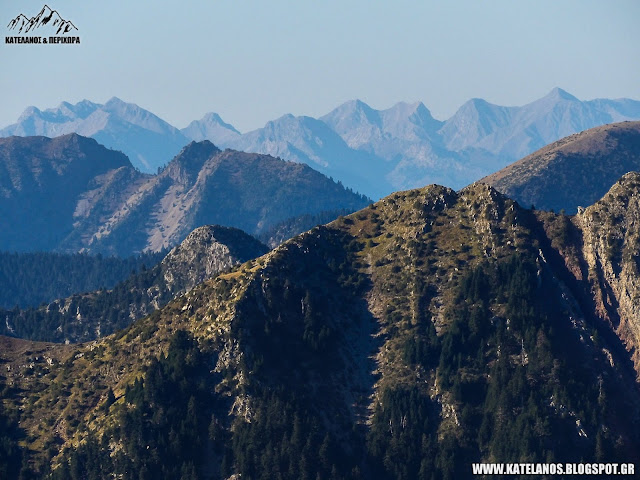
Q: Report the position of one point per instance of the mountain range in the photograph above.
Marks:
(428, 331)
(372, 151)
(72, 194)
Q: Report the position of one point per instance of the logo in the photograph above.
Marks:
(46, 27)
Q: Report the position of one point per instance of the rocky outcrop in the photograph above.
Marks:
(206, 252)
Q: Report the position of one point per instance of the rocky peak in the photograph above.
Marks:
(207, 251)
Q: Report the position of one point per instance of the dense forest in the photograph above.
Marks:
(89, 315)
(30, 279)
(10, 451)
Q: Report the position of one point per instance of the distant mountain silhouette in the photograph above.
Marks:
(211, 127)
(380, 151)
(46, 18)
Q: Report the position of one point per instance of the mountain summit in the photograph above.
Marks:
(405, 147)
(211, 127)
(69, 193)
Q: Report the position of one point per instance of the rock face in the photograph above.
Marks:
(205, 252)
(72, 194)
(423, 333)
(611, 239)
(572, 172)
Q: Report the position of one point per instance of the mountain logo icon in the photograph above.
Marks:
(48, 20)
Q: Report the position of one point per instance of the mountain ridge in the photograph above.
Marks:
(111, 208)
(561, 176)
(148, 141)
(373, 151)
(409, 151)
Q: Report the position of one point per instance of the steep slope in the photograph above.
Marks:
(574, 171)
(83, 317)
(611, 240)
(428, 331)
(42, 181)
(147, 140)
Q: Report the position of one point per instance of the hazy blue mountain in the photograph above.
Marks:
(311, 141)
(371, 151)
(147, 140)
(406, 137)
(620, 109)
(511, 133)
(405, 147)
(379, 131)
(44, 184)
(474, 121)
(211, 127)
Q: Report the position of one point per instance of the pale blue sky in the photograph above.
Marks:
(252, 61)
